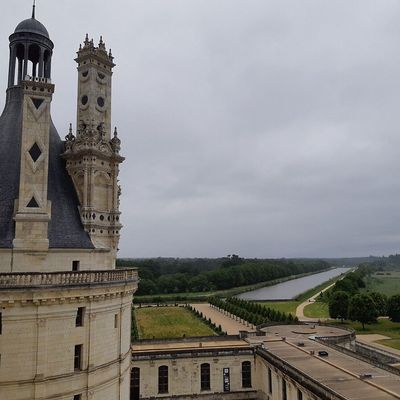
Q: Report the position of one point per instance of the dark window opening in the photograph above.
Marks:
(205, 381)
(246, 374)
(116, 320)
(135, 384)
(1, 323)
(78, 357)
(79, 316)
(299, 394)
(269, 380)
(75, 265)
(284, 390)
(84, 100)
(163, 379)
(78, 397)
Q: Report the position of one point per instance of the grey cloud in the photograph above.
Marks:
(267, 128)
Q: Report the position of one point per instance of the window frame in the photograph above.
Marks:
(205, 377)
(80, 317)
(78, 351)
(163, 379)
(246, 374)
(135, 383)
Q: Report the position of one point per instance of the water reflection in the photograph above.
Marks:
(290, 289)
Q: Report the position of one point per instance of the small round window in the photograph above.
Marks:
(84, 100)
(85, 74)
(100, 101)
(101, 76)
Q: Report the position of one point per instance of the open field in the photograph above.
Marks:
(318, 309)
(382, 327)
(169, 322)
(385, 284)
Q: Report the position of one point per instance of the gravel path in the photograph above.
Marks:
(300, 308)
(228, 324)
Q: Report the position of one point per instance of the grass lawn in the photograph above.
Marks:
(394, 343)
(382, 327)
(385, 284)
(282, 306)
(168, 323)
(317, 309)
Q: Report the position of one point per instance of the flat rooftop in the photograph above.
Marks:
(209, 344)
(304, 331)
(348, 376)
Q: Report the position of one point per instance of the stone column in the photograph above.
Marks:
(25, 62)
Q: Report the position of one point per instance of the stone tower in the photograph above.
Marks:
(65, 311)
(92, 155)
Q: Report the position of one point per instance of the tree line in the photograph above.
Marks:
(346, 302)
(253, 313)
(164, 276)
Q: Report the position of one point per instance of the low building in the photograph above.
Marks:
(289, 362)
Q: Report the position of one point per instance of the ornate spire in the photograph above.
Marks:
(33, 9)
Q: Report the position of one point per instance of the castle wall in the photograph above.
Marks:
(39, 334)
(55, 260)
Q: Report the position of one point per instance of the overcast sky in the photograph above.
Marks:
(257, 127)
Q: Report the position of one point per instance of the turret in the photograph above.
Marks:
(92, 155)
(31, 48)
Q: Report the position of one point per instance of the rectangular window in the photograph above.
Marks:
(284, 390)
(269, 380)
(116, 321)
(1, 323)
(78, 397)
(78, 357)
(135, 384)
(75, 265)
(163, 379)
(205, 381)
(246, 374)
(79, 316)
(299, 394)
(226, 379)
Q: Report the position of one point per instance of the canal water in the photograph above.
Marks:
(290, 289)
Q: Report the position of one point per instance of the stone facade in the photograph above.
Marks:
(45, 316)
(65, 312)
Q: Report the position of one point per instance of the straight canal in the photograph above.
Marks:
(290, 289)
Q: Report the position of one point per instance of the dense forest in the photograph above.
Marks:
(174, 275)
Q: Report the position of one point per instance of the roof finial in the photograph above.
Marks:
(33, 9)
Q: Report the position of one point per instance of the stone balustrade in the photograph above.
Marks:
(67, 278)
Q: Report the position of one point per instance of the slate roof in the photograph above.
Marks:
(65, 227)
(32, 25)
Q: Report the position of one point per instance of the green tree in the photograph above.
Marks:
(339, 305)
(362, 309)
(394, 308)
(381, 303)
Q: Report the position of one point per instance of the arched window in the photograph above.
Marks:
(246, 374)
(205, 383)
(163, 379)
(135, 384)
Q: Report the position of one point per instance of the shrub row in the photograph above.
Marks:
(253, 313)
